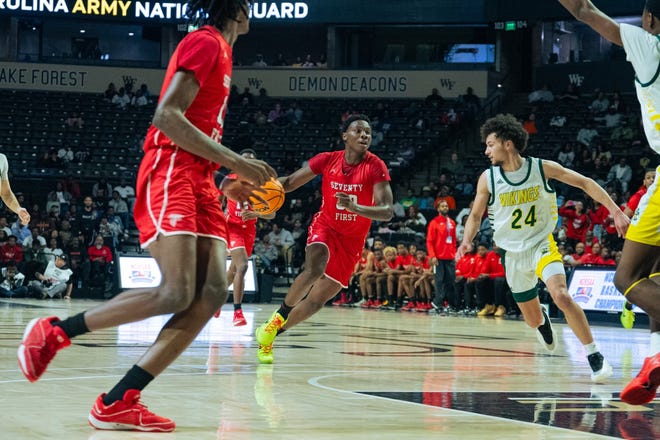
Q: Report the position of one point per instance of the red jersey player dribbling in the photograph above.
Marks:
(355, 191)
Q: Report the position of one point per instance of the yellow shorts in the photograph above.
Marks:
(645, 223)
(524, 269)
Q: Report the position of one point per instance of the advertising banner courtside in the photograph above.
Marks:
(283, 83)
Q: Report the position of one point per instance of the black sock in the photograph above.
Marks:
(238, 306)
(136, 379)
(629, 306)
(280, 331)
(74, 325)
(285, 310)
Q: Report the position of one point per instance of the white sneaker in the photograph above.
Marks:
(358, 303)
(599, 374)
(549, 345)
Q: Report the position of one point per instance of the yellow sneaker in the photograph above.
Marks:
(627, 318)
(265, 354)
(265, 335)
(488, 310)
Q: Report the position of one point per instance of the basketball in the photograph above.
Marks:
(273, 193)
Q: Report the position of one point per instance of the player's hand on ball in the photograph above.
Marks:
(345, 201)
(239, 190)
(248, 215)
(255, 171)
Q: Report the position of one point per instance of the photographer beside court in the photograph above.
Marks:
(55, 281)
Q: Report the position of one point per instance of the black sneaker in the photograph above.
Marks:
(601, 369)
(545, 333)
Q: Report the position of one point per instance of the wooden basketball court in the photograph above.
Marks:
(345, 374)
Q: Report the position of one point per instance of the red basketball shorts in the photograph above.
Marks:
(176, 197)
(344, 251)
(241, 235)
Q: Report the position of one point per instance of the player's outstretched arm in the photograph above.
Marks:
(11, 202)
(297, 179)
(586, 12)
(553, 170)
(383, 209)
(171, 120)
(474, 218)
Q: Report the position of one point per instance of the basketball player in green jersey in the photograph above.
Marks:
(638, 273)
(522, 207)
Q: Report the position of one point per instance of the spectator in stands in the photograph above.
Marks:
(297, 63)
(610, 119)
(100, 257)
(59, 197)
(121, 99)
(283, 241)
(110, 92)
(35, 235)
(294, 114)
(66, 155)
(322, 63)
(280, 61)
(434, 99)
(409, 200)
(11, 251)
(617, 103)
(4, 226)
(602, 155)
(119, 208)
(276, 115)
(101, 184)
(415, 220)
(633, 202)
(600, 104)
(52, 250)
(139, 100)
(529, 124)
(620, 175)
(570, 93)
(21, 231)
(108, 232)
(454, 166)
(72, 186)
(54, 281)
(66, 234)
(593, 257)
(577, 221)
(566, 156)
(79, 262)
(126, 191)
(443, 194)
(541, 95)
(587, 134)
(589, 240)
(87, 221)
(267, 253)
(606, 257)
(12, 282)
(246, 95)
(74, 121)
(144, 90)
(441, 245)
(426, 200)
(309, 62)
(259, 61)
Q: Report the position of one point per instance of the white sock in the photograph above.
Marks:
(655, 344)
(591, 348)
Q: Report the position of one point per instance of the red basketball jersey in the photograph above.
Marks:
(207, 55)
(357, 181)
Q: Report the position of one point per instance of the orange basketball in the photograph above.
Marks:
(273, 193)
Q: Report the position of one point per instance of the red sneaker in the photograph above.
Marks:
(128, 414)
(341, 300)
(368, 304)
(239, 319)
(41, 341)
(375, 304)
(641, 389)
(217, 314)
(409, 307)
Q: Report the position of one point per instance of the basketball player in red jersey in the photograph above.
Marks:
(179, 218)
(356, 190)
(242, 230)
